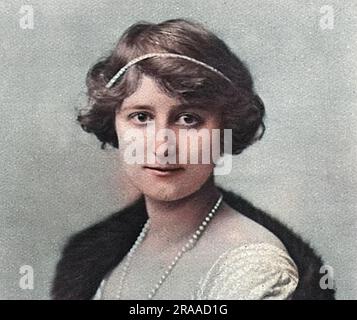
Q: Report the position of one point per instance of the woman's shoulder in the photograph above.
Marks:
(235, 229)
(253, 262)
(250, 271)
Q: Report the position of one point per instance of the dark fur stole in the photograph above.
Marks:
(90, 254)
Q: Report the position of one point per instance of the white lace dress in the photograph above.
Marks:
(252, 271)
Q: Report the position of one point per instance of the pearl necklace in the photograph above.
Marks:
(188, 246)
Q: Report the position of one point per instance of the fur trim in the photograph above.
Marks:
(91, 254)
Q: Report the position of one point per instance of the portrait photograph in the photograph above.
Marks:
(178, 150)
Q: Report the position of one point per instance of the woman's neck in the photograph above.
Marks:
(172, 222)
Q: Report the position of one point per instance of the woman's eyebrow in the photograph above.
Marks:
(193, 106)
(183, 106)
(138, 107)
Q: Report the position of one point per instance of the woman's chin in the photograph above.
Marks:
(167, 189)
(166, 195)
(163, 196)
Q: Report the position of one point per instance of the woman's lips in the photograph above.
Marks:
(162, 172)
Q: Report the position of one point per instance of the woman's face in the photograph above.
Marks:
(149, 110)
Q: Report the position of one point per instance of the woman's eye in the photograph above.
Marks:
(189, 120)
(140, 117)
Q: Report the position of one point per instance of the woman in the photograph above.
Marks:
(185, 237)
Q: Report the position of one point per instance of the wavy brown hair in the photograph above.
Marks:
(243, 110)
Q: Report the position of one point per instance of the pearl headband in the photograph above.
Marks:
(163, 54)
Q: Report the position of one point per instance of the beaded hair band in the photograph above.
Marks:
(163, 54)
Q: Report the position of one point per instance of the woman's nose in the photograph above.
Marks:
(162, 141)
(165, 142)
(161, 150)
